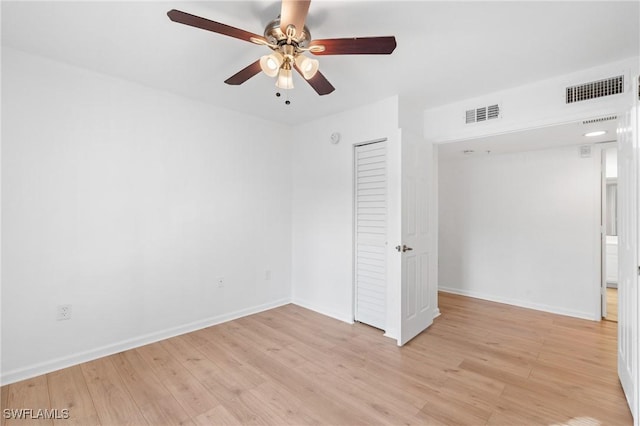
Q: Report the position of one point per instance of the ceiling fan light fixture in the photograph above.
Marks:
(270, 64)
(288, 37)
(308, 67)
(285, 79)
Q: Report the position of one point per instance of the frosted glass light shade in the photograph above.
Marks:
(270, 64)
(285, 79)
(308, 67)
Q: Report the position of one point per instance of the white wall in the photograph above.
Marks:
(522, 228)
(611, 168)
(322, 227)
(129, 203)
(535, 104)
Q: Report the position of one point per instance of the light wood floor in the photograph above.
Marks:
(612, 304)
(480, 363)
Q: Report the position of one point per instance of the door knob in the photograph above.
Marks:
(403, 248)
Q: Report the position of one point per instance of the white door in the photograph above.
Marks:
(418, 246)
(628, 257)
(370, 195)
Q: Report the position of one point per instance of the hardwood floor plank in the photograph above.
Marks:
(32, 394)
(357, 394)
(487, 354)
(580, 365)
(166, 411)
(234, 375)
(4, 397)
(406, 388)
(301, 385)
(563, 406)
(218, 416)
(479, 363)
(112, 401)
(583, 388)
(228, 385)
(157, 404)
(477, 391)
(184, 387)
(612, 304)
(138, 377)
(68, 390)
(451, 412)
(258, 325)
(287, 406)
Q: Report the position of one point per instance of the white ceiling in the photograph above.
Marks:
(566, 134)
(447, 51)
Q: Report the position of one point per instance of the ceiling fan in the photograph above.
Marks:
(289, 39)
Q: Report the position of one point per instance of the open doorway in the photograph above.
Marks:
(610, 232)
(520, 217)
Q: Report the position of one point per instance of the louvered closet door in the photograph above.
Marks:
(371, 233)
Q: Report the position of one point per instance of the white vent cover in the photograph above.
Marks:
(601, 119)
(482, 114)
(595, 89)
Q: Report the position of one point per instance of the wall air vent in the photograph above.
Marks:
(482, 114)
(601, 119)
(471, 116)
(595, 89)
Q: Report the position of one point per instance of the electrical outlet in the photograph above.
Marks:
(64, 312)
(220, 282)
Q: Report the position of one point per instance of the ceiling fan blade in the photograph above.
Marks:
(206, 24)
(355, 46)
(319, 83)
(244, 74)
(293, 12)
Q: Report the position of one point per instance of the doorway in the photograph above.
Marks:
(520, 217)
(609, 225)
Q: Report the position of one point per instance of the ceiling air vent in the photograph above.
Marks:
(471, 116)
(482, 114)
(493, 111)
(601, 119)
(595, 89)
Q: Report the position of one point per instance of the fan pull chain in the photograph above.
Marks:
(287, 101)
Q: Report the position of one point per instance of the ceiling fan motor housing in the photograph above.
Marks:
(274, 35)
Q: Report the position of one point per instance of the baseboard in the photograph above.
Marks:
(520, 303)
(322, 310)
(68, 361)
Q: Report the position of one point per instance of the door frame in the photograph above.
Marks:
(604, 147)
